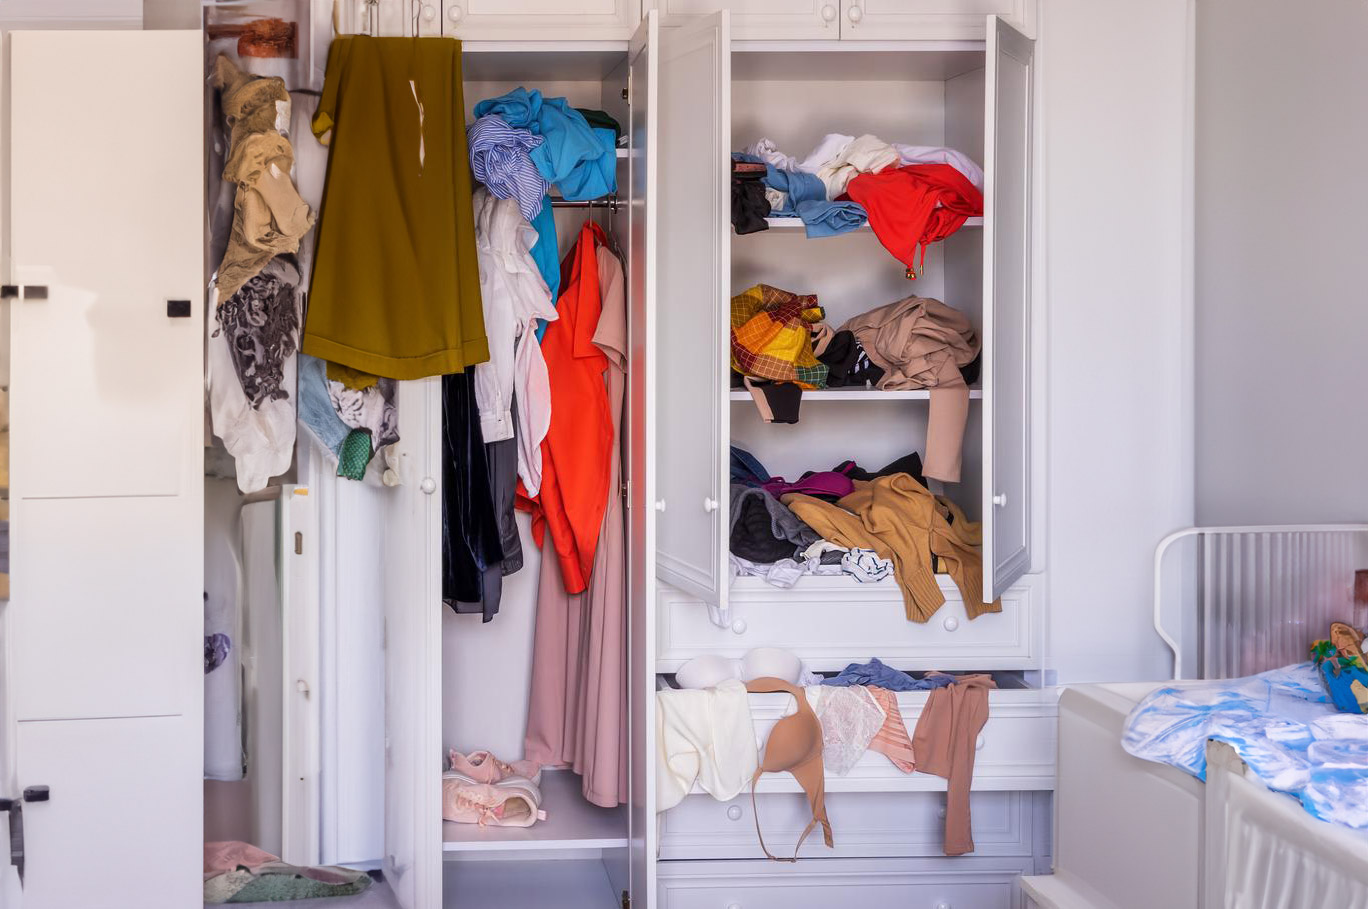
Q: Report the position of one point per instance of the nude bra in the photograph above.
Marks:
(795, 745)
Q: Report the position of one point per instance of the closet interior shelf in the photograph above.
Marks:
(795, 222)
(856, 393)
(571, 823)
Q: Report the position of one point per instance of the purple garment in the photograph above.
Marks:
(827, 484)
(216, 650)
(875, 673)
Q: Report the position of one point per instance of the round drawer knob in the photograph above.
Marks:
(429, 485)
(454, 13)
(739, 626)
(709, 505)
(828, 14)
(1000, 500)
(734, 812)
(943, 906)
(733, 906)
(951, 624)
(429, 13)
(978, 743)
(660, 504)
(390, 477)
(854, 14)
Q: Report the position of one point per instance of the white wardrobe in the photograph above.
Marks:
(104, 672)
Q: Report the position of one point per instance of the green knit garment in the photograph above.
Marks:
(354, 454)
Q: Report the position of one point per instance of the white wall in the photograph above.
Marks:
(1114, 138)
(1282, 315)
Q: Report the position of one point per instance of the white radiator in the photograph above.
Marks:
(1262, 594)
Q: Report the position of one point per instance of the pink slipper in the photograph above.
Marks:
(483, 767)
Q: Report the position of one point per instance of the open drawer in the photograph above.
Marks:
(832, 621)
(1016, 750)
(864, 825)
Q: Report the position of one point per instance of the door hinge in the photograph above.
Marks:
(626, 900)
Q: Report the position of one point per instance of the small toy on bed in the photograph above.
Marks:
(1342, 668)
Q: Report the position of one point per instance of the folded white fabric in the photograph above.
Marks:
(933, 154)
(706, 737)
(866, 155)
(768, 152)
(831, 146)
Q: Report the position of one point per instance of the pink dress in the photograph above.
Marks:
(577, 711)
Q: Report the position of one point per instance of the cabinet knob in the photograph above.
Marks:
(940, 812)
(709, 505)
(454, 13)
(951, 624)
(429, 13)
(828, 14)
(734, 812)
(429, 485)
(1000, 500)
(660, 504)
(943, 906)
(854, 14)
(978, 743)
(37, 794)
(733, 906)
(739, 626)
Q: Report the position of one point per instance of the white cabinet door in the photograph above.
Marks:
(107, 383)
(928, 20)
(411, 556)
(691, 317)
(1007, 308)
(540, 20)
(123, 794)
(643, 230)
(762, 19)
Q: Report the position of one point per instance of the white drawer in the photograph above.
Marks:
(958, 883)
(1016, 752)
(864, 824)
(833, 621)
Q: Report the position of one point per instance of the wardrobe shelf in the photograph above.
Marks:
(793, 222)
(861, 394)
(571, 823)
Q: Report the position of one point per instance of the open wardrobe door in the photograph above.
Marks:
(1007, 308)
(105, 624)
(691, 315)
(411, 553)
(643, 231)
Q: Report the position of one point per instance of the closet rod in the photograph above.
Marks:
(609, 202)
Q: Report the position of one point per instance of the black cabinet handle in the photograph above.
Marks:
(178, 309)
(37, 794)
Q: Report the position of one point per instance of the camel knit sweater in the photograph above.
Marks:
(901, 520)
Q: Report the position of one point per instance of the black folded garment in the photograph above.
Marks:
(910, 464)
(846, 361)
(749, 207)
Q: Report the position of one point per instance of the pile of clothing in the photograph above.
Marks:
(706, 734)
(848, 520)
(911, 195)
(236, 872)
(781, 346)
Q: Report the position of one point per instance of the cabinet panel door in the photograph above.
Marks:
(124, 794)
(1007, 308)
(539, 20)
(411, 554)
(762, 19)
(928, 20)
(643, 228)
(691, 317)
(107, 389)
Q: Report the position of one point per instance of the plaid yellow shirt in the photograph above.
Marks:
(771, 336)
